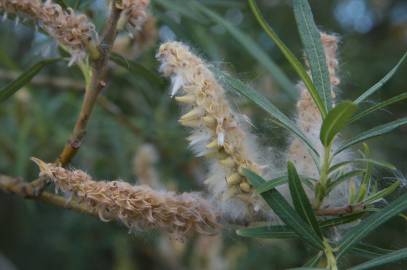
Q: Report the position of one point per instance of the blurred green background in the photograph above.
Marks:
(38, 120)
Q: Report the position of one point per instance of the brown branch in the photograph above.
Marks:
(26, 190)
(97, 82)
(349, 209)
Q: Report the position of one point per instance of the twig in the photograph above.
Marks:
(349, 209)
(26, 190)
(97, 83)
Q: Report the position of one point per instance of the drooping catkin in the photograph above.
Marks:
(309, 120)
(73, 31)
(134, 14)
(138, 207)
(218, 133)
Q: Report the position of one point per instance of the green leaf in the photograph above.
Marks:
(11, 88)
(343, 178)
(281, 119)
(340, 220)
(300, 199)
(394, 256)
(182, 8)
(311, 39)
(368, 251)
(295, 63)
(285, 232)
(254, 50)
(371, 223)
(336, 120)
(380, 83)
(272, 232)
(379, 106)
(339, 165)
(314, 260)
(137, 69)
(275, 182)
(372, 133)
(287, 214)
(382, 193)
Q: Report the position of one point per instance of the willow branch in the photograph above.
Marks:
(349, 209)
(26, 190)
(99, 69)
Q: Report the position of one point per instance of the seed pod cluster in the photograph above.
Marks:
(218, 132)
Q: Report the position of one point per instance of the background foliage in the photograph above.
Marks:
(38, 120)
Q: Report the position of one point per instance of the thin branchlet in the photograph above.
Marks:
(137, 207)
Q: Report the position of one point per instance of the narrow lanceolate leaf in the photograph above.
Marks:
(11, 88)
(372, 133)
(314, 260)
(336, 120)
(270, 232)
(382, 193)
(295, 63)
(369, 251)
(344, 177)
(382, 164)
(300, 199)
(392, 257)
(379, 106)
(380, 83)
(371, 223)
(287, 214)
(311, 40)
(137, 69)
(280, 118)
(273, 183)
(254, 50)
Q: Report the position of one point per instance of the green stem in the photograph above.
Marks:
(322, 186)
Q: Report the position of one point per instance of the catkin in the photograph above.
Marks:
(134, 12)
(218, 133)
(309, 121)
(137, 207)
(73, 31)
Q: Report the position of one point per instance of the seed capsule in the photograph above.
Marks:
(187, 99)
(234, 179)
(228, 162)
(209, 121)
(245, 187)
(212, 144)
(193, 114)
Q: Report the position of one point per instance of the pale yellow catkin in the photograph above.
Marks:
(73, 31)
(217, 131)
(138, 207)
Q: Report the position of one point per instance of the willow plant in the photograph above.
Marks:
(326, 186)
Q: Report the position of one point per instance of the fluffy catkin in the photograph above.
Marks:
(309, 121)
(134, 12)
(218, 133)
(73, 31)
(138, 207)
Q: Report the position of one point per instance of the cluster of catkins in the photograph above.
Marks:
(137, 207)
(72, 31)
(220, 134)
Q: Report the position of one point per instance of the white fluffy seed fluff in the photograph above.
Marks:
(217, 132)
(309, 121)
